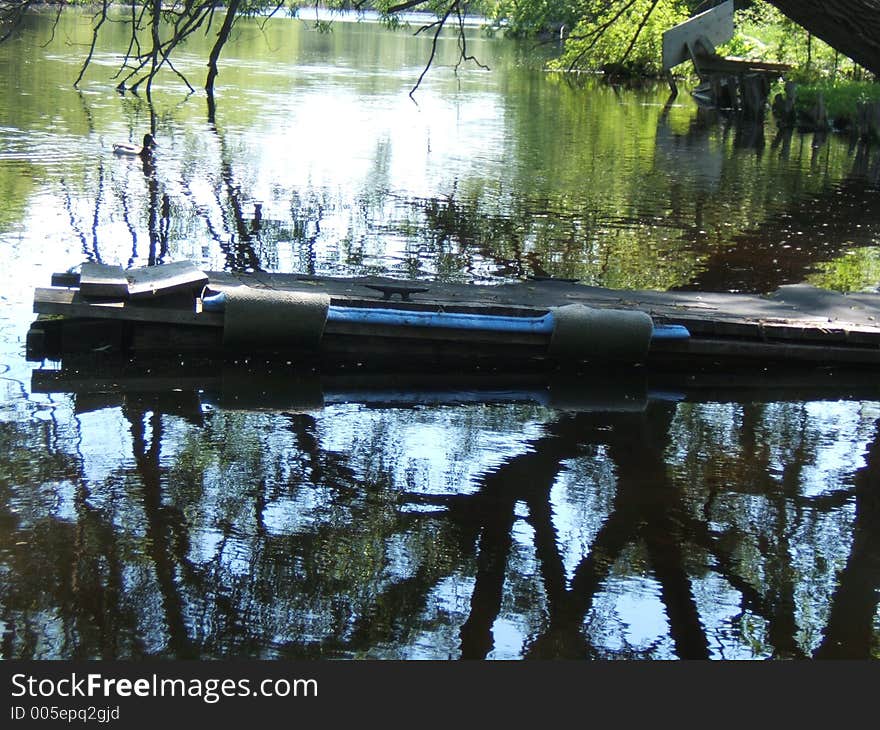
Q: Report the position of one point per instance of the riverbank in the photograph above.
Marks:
(848, 106)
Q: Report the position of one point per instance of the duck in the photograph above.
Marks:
(126, 149)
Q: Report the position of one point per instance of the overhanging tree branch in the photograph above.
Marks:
(438, 26)
(850, 26)
(638, 32)
(596, 34)
(156, 30)
(100, 19)
(463, 56)
(456, 8)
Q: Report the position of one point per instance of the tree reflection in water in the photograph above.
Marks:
(660, 529)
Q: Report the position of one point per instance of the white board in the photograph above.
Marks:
(715, 25)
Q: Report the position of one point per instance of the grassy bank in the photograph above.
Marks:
(841, 100)
(830, 87)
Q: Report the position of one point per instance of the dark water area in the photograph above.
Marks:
(236, 511)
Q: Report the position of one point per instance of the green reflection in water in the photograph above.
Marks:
(318, 161)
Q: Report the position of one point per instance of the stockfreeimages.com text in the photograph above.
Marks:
(209, 690)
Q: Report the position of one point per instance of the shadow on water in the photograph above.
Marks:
(797, 233)
(788, 245)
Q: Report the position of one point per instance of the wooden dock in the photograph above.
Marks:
(738, 84)
(797, 325)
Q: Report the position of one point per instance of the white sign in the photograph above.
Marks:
(715, 26)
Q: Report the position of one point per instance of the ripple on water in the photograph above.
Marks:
(38, 147)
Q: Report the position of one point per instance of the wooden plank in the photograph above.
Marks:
(92, 335)
(714, 386)
(789, 330)
(734, 66)
(715, 25)
(159, 339)
(146, 282)
(787, 384)
(156, 281)
(72, 304)
(183, 300)
(92, 402)
(372, 354)
(66, 278)
(77, 381)
(35, 344)
(705, 348)
(376, 345)
(103, 281)
(363, 354)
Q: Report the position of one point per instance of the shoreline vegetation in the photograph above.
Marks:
(824, 91)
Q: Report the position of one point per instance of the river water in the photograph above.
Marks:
(225, 514)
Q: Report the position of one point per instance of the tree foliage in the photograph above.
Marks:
(624, 36)
(620, 35)
(159, 28)
(526, 18)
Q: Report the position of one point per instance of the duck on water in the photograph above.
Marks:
(126, 149)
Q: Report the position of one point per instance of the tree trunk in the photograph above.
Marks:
(222, 37)
(850, 26)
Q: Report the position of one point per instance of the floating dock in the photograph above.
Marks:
(178, 310)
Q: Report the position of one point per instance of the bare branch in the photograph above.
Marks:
(271, 14)
(405, 6)
(54, 25)
(595, 34)
(638, 32)
(439, 28)
(177, 73)
(101, 17)
(462, 45)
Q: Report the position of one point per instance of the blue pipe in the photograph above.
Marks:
(454, 320)
(670, 332)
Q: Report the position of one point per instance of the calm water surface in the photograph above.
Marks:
(234, 513)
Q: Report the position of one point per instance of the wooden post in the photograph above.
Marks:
(734, 91)
(670, 79)
(820, 114)
(783, 106)
(868, 120)
(753, 92)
